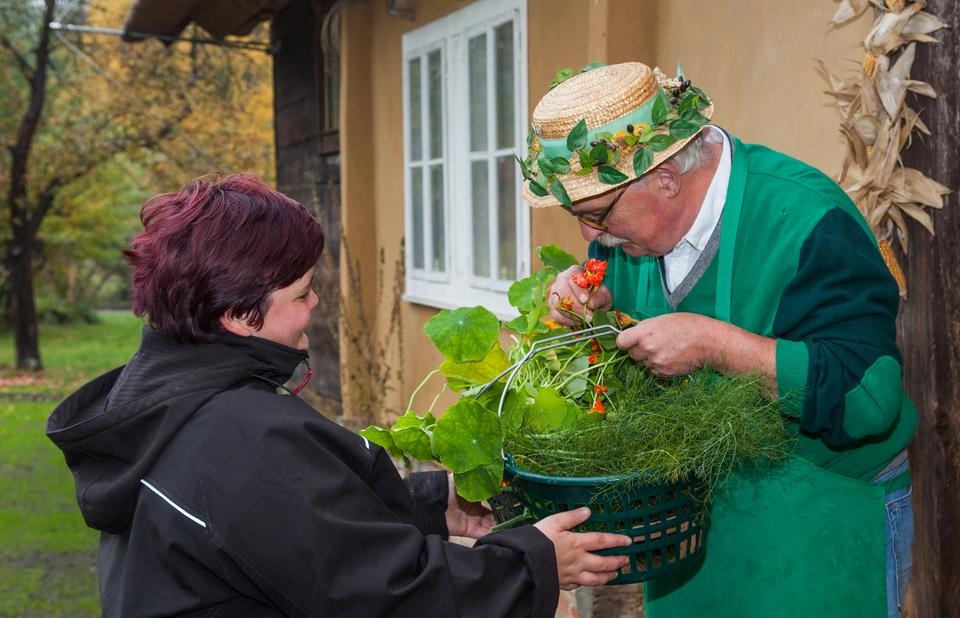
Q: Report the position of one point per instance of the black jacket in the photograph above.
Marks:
(218, 496)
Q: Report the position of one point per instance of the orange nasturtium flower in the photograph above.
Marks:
(598, 406)
(599, 389)
(592, 275)
(566, 303)
(552, 325)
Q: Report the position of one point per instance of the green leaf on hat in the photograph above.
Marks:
(659, 112)
(610, 175)
(524, 169)
(537, 189)
(562, 76)
(545, 164)
(702, 101)
(592, 66)
(599, 153)
(577, 138)
(642, 159)
(586, 163)
(559, 192)
(682, 129)
(695, 117)
(560, 165)
(661, 142)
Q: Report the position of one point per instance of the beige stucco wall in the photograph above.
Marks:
(755, 58)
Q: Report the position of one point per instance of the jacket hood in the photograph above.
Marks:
(113, 428)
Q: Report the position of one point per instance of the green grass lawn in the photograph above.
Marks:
(47, 554)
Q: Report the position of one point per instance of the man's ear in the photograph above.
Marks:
(236, 325)
(668, 180)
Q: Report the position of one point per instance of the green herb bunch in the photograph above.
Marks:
(673, 119)
(578, 408)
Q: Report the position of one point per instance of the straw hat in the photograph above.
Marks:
(606, 126)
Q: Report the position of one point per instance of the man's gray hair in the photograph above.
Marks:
(697, 153)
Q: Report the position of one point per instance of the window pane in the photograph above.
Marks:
(505, 95)
(479, 177)
(436, 212)
(436, 104)
(416, 128)
(416, 200)
(478, 92)
(507, 217)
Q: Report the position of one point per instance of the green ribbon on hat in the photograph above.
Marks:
(557, 147)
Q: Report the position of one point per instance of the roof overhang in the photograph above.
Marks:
(220, 18)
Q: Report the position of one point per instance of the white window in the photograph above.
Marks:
(464, 108)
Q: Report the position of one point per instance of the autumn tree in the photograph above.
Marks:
(88, 107)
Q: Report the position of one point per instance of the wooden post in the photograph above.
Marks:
(929, 327)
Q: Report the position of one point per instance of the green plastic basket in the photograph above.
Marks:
(666, 522)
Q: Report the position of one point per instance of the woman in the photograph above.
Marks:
(219, 493)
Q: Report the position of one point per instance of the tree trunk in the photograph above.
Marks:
(23, 307)
(24, 221)
(929, 327)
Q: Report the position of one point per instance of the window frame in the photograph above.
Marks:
(458, 286)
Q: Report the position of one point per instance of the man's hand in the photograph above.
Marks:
(566, 298)
(676, 344)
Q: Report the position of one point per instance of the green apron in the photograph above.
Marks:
(797, 541)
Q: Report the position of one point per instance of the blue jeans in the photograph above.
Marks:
(899, 532)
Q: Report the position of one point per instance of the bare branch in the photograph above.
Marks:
(22, 63)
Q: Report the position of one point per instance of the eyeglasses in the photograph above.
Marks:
(596, 219)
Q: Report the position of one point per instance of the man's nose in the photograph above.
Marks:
(589, 233)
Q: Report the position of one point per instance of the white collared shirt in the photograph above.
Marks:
(679, 262)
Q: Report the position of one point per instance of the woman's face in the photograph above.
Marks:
(288, 313)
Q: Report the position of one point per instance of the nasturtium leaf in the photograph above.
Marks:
(479, 483)
(467, 435)
(550, 411)
(681, 129)
(411, 433)
(461, 376)
(556, 258)
(514, 409)
(464, 334)
(577, 138)
(610, 175)
(659, 112)
(661, 142)
(642, 159)
(559, 192)
(382, 437)
(524, 293)
(537, 189)
(575, 387)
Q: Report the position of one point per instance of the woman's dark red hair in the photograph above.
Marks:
(218, 247)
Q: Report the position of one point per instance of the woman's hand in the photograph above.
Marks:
(566, 298)
(465, 518)
(576, 565)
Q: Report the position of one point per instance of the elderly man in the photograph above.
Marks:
(741, 259)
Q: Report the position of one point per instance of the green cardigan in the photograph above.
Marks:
(806, 271)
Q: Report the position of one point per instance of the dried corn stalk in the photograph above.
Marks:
(877, 123)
